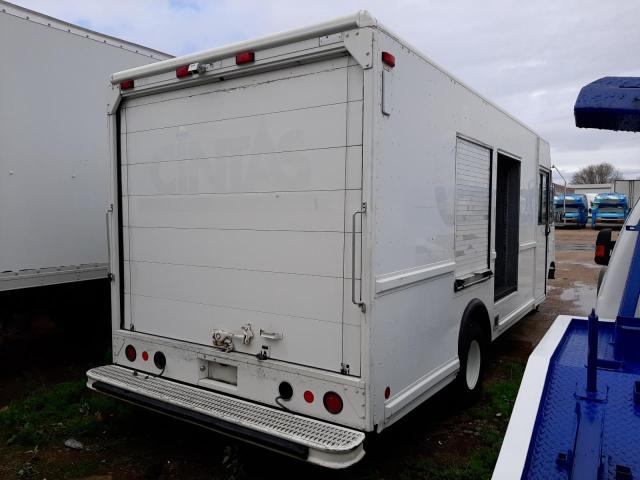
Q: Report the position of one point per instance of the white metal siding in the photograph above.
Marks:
(53, 147)
(237, 203)
(473, 186)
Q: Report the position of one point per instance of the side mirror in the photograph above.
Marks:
(604, 245)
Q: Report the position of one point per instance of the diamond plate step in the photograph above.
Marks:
(306, 438)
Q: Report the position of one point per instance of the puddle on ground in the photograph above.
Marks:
(583, 264)
(581, 295)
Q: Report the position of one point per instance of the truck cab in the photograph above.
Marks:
(609, 209)
(573, 209)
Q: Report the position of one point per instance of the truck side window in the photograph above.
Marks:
(543, 199)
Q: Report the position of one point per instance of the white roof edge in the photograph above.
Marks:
(47, 21)
(361, 18)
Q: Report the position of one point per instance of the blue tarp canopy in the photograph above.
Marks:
(610, 103)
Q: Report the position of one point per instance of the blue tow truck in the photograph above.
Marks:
(573, 209)
(577, 414)
(609, 210)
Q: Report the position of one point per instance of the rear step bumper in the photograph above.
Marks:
(294, 435)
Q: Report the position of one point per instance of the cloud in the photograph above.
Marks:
(531, 58)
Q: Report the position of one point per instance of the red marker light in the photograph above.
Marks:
(387, 393)
(308, 396)
(245, 57)
(388, 59)
(599, 250)
(130, 353)
(126, 85)
(183, 71)
(332, 402)
(145, 356)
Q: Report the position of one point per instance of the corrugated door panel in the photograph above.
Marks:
(269, 172)
(243, 289)
(263, 93)
(324, 348)
(473, 188)
(237, 209)
(268, 133)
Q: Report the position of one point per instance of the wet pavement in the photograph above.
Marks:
(572, 292)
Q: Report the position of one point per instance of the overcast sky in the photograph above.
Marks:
(531, 58)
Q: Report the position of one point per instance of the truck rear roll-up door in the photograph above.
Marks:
(235, 200)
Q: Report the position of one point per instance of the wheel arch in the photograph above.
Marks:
(476, 312)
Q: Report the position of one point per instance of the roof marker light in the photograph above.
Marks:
(388, 59)
(183, 71)
(245, 57)
(126, 84)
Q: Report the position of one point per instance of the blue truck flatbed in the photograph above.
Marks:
(577, 414)
(587, 435)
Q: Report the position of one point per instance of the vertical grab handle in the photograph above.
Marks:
(106, 216)
(358, 302)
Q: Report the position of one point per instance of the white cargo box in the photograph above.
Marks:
(322, 221)
(53, 146)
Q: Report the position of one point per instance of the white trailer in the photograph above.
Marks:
(53, 147)
(630, 188)
(245, 178)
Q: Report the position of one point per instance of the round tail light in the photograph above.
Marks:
(332, 402)
(130, 353)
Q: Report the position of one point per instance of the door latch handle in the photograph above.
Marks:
(354, 300)
(223, 340)
(271, 335)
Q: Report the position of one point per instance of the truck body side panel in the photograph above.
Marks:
(416, 313)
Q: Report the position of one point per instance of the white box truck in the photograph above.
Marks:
(53, 147)
(312, 233)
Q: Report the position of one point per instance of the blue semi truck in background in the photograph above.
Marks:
(573, 209)
(609, 210)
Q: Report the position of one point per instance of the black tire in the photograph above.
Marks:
(471, 333)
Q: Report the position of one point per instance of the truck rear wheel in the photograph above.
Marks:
(472, 352)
